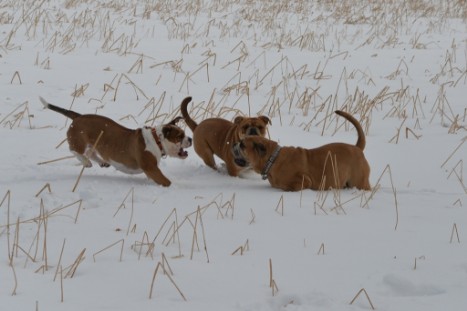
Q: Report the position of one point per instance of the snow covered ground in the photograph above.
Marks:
(235, 243)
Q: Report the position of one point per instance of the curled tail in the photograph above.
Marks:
(361, 142)
(188, 120)
(67, 113)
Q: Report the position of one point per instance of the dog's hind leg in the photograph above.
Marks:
(93, 155)
(96, 158)
(84, 160)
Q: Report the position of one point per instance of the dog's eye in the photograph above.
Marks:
(242, 145)
(245, 127)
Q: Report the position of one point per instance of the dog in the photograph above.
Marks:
(132, 151)
(336, 165)
(216, 136)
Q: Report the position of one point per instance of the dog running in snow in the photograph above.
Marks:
(132, 151)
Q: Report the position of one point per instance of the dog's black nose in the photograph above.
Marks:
(240, 162)
(252, 131)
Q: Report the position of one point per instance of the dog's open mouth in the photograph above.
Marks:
(182, 153)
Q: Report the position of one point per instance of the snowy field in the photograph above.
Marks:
(110, 241)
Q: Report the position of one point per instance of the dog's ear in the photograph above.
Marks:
(265, 119)
(166, 130)
(260, 148)
(238, 120)
(175, 121)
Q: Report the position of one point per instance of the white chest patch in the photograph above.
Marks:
(151, 144)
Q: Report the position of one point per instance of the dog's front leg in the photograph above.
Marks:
(148, 164)
(156, 175)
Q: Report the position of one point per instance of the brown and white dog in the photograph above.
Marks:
(336, 165)
(106, 142)
(216, 136)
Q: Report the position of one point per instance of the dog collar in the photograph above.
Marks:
(265, 172)
(158, 140)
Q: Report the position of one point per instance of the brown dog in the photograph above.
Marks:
(335, 165)
(216, 136)
(136, 151)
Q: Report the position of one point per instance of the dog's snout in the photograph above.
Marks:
(252, 131)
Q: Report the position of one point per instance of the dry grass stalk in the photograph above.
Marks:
(13, 293)
(172, 229)
(122, 241)
(7, 198)
(72, 269)
(46, 186)
(165, 262)
(230, 206)
(59, 264)
(16, 75)
(454, 230)
(274, 288)
(395, 138)
(138, 246)
(16, 238)
(56, 160)
(55, 211)
(175, 233)
(280, 205)
(16, 246)
(407, 131)
(242, 248)
(458, 170)
(44, 245)
(61, 143)
(377, 186)
(321, 249)
(272, 282)
(80, 91)
(156, 107)
(195, 235)
(61, 285)
(91, 152)
(138, 65)
(253, 217)
(160, 265)
(455, 150)
(136, 89)
(367, 297)
(17, 116)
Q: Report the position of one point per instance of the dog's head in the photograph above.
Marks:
(173, 139)
(251, 126)
(253, 151)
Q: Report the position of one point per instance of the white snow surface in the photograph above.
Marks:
(399, 68)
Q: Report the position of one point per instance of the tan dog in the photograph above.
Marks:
(130, 151)
(335, 165)
(216, 136)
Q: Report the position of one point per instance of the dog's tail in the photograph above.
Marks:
(67, 113)
(188, 120)
(361, 142)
